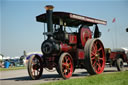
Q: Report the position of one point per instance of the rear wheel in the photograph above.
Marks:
(119, 64)
(35, 68)
(65, 65)
(94, 56)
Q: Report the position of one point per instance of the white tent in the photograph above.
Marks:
(126, 50)
(8, 57)
(34, 53)
(1, 57)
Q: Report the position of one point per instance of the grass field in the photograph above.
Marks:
(118, 78)
(12, 68)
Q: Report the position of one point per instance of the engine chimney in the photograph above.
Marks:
(49, 9)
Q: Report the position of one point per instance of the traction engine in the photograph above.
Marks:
(67, 51)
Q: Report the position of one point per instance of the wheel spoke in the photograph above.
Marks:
(94, 63)
(100, 49)
(64, 64)
(70, 63)
(33, 72)
(92, 58)
(96, 43)
(69, 70)
(95, 46)
(66, 58)
(99, 67)
(64, 71)
(94, 49)
(101, 59)
(93, 53)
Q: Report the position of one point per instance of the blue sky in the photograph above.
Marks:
(19, 30)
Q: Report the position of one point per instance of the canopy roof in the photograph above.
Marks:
(72, 20)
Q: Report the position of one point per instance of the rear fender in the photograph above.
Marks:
(28, 57)
(120, 56)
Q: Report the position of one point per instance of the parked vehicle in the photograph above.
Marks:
(15, 62)
(67, 51)
(117, 57)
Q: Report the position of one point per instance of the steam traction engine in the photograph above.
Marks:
(68, 51)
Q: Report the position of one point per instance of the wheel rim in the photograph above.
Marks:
(121, 64)
(97, 57)
(36, 67)
(67, 66)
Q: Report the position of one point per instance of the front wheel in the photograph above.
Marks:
(119, 64)
(66, 65)
(35, 68)
(94, 56)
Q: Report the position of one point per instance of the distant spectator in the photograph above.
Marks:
(6, 63)
(23, 58)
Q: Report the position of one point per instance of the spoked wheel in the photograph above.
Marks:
(66, 65)
(94, 56)
(35, 68)
(119, 64)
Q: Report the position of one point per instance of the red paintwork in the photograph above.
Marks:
(81, 54)
(50, 62)
(113, 56)
(65, 47)
(50, 59)
(85, 34)
(72, 39)
(98, 57)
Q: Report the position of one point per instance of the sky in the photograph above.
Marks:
(20, 31)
